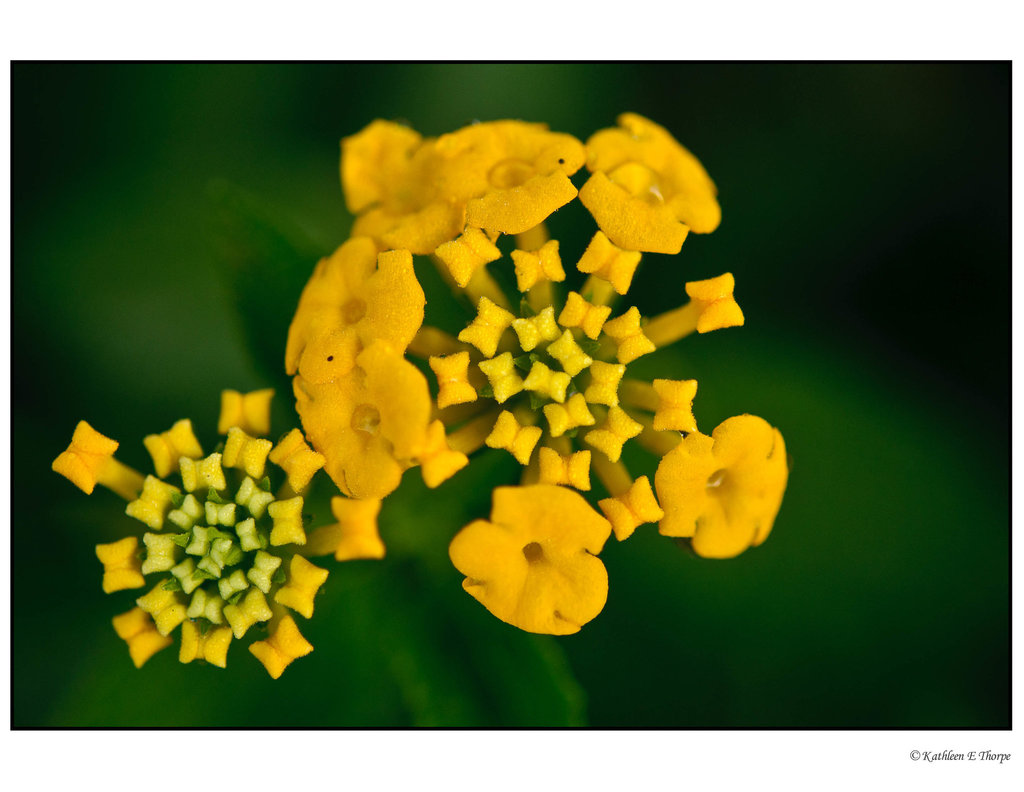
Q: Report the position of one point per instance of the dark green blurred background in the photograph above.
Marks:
(866, 219)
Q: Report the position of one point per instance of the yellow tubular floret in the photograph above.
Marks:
(631, 342)
(283, 646)
(604, 383)
(168, 447)
(153, 503)
(539, 265)
(584, 315)
(711, 307)
(631, 508)
(89, 460)
(211, 647)
(609, 262)
(518, 440)
(121, 566)
(486, 329)
(297, 459)
(617, 428)
(501, 373)
(167, 610)
(438, 462)
(452, 374)
(546, 382)
(203, 474)
(465, 256)
(567, 352)
(248, 411)
(535, 329)
(534, 565)
(251, 609)
(563, 418)
(137, 630)
(304, 580)
(355, 535)
(246, 453)
(287, 517)
(572, 469)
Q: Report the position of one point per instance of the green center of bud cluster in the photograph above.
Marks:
(220, 550)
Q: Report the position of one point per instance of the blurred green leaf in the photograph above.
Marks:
(266, 262)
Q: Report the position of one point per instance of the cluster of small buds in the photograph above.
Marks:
(225, 548)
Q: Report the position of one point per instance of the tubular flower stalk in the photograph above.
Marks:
(219, 554)
(541, 370)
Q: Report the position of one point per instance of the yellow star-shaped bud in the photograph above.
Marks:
(546, 382)
(355, 535)
(250, 412)
(573, 469)
(604, 383)
(467, 254)
(584, 315)
(160, 553)
(540, 265)
(634, 507)
(153, 502)
(563, 418)
(616, 430)
(534, 329)
(304, 580)
(287, 517)
(605, 260)
(250, 609)
(438, 462)
(136, 629)
(168, 447)
(484, 332)
(164, 606)
(89, 461)
(211, 647)
(452, 372)
(567, 352)
(262, 572)
(281, 648)
(246, 453)
(505, 383)
(717, 306)
(675, 407)
(518, 440)
(204, 474)
(253, 498)
(630, 339)
(206, 606)
(121, 566)
(232, 584)
(298, 460)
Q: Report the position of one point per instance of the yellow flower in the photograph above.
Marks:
(416, 194)
(534, 564)
(724, 491)
(647, 191)
(222, 551)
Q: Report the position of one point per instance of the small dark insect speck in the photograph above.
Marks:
(330, 358)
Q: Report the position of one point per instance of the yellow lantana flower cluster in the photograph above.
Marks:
(226, 552)
(541, 374)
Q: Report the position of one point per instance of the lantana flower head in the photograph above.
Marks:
(540, 372)
(218, 554)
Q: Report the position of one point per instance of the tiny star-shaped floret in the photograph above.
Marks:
(573, 469)
(505, 383)
(262, 572)
(211, 647)
(630, 338)
(298, 460)
(137, 630)
(89, 460)
(283, 646)
(467, 254)
(121, 566)
(304, 580)
(287, 517)
(632, 508)
(533, 330)
(206, 606)
(250, 412)
(168, 447)
(717, 306)
(438, 462)
(160, 553)
(246, 453)
(675, 407)
(584, 315)
(452, 372)
(486, 329)
(549, 383)
(250, 609)
(563, 418)
(355, 535)
(567, 352)
(518, 440)
(540, 265)
(164, 606)
(153, 502)
(204, 474)
(604, 383)
(616, 430)
(605, 260)
(253, 498)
